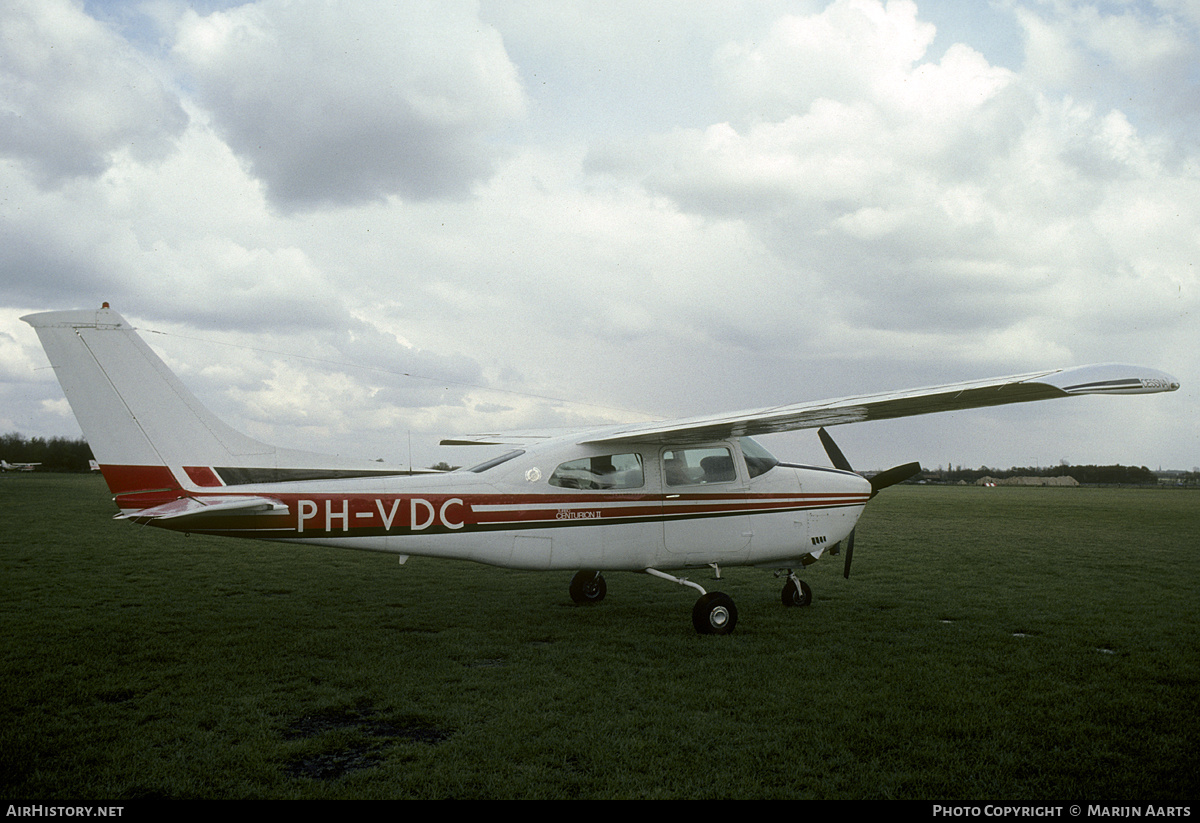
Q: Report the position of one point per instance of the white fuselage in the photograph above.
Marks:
(552, 507)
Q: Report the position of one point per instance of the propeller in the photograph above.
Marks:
(892, 476)
(889, 477)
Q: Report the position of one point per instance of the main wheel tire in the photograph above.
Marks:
(588, 587)
(793, 596)
(714, 613)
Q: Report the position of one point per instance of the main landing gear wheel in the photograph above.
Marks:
(588, 587)
(714, 613)
(796, 595)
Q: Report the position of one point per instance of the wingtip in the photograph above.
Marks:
(1113, 378)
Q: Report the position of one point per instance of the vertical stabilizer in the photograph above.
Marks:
(150, 435)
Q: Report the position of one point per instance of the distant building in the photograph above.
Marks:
(1027, 481)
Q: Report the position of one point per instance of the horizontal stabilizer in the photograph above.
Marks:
(204, 506)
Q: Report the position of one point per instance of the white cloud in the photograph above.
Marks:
(341, 104)
(1138, 57)
(74, 94)
(850, 50)
(698, 206)
(927, 198)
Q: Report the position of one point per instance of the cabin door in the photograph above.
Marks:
(704, 502)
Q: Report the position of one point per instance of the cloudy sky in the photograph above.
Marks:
(357, 226)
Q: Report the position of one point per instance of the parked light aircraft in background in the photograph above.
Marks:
(649, 497)
(18, 467)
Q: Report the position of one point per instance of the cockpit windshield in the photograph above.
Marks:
(758, 460)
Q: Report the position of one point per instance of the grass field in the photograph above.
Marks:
(1005, 644)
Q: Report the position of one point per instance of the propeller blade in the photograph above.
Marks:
(879, 482)
(892, 476)
(849, 554)
(835, 454)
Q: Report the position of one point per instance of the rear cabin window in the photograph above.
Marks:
(694, 467)
(496, 461)
(610, 471)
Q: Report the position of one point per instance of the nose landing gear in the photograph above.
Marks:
(796, 592)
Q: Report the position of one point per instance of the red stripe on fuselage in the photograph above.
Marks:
(362, 514)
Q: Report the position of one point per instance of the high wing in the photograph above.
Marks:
(997, 391)
(509, 438)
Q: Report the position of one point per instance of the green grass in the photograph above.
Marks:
(1012, 644)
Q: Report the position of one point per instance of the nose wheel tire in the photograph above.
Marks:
(714, 613)
(794, 595)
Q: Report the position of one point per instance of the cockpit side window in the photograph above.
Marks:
(610, 471)
(697, 466)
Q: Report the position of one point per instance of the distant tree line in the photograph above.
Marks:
(56, 454)
(1100, 475)
(61, 454)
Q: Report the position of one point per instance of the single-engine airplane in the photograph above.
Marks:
(653, 498)
(18, 467)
